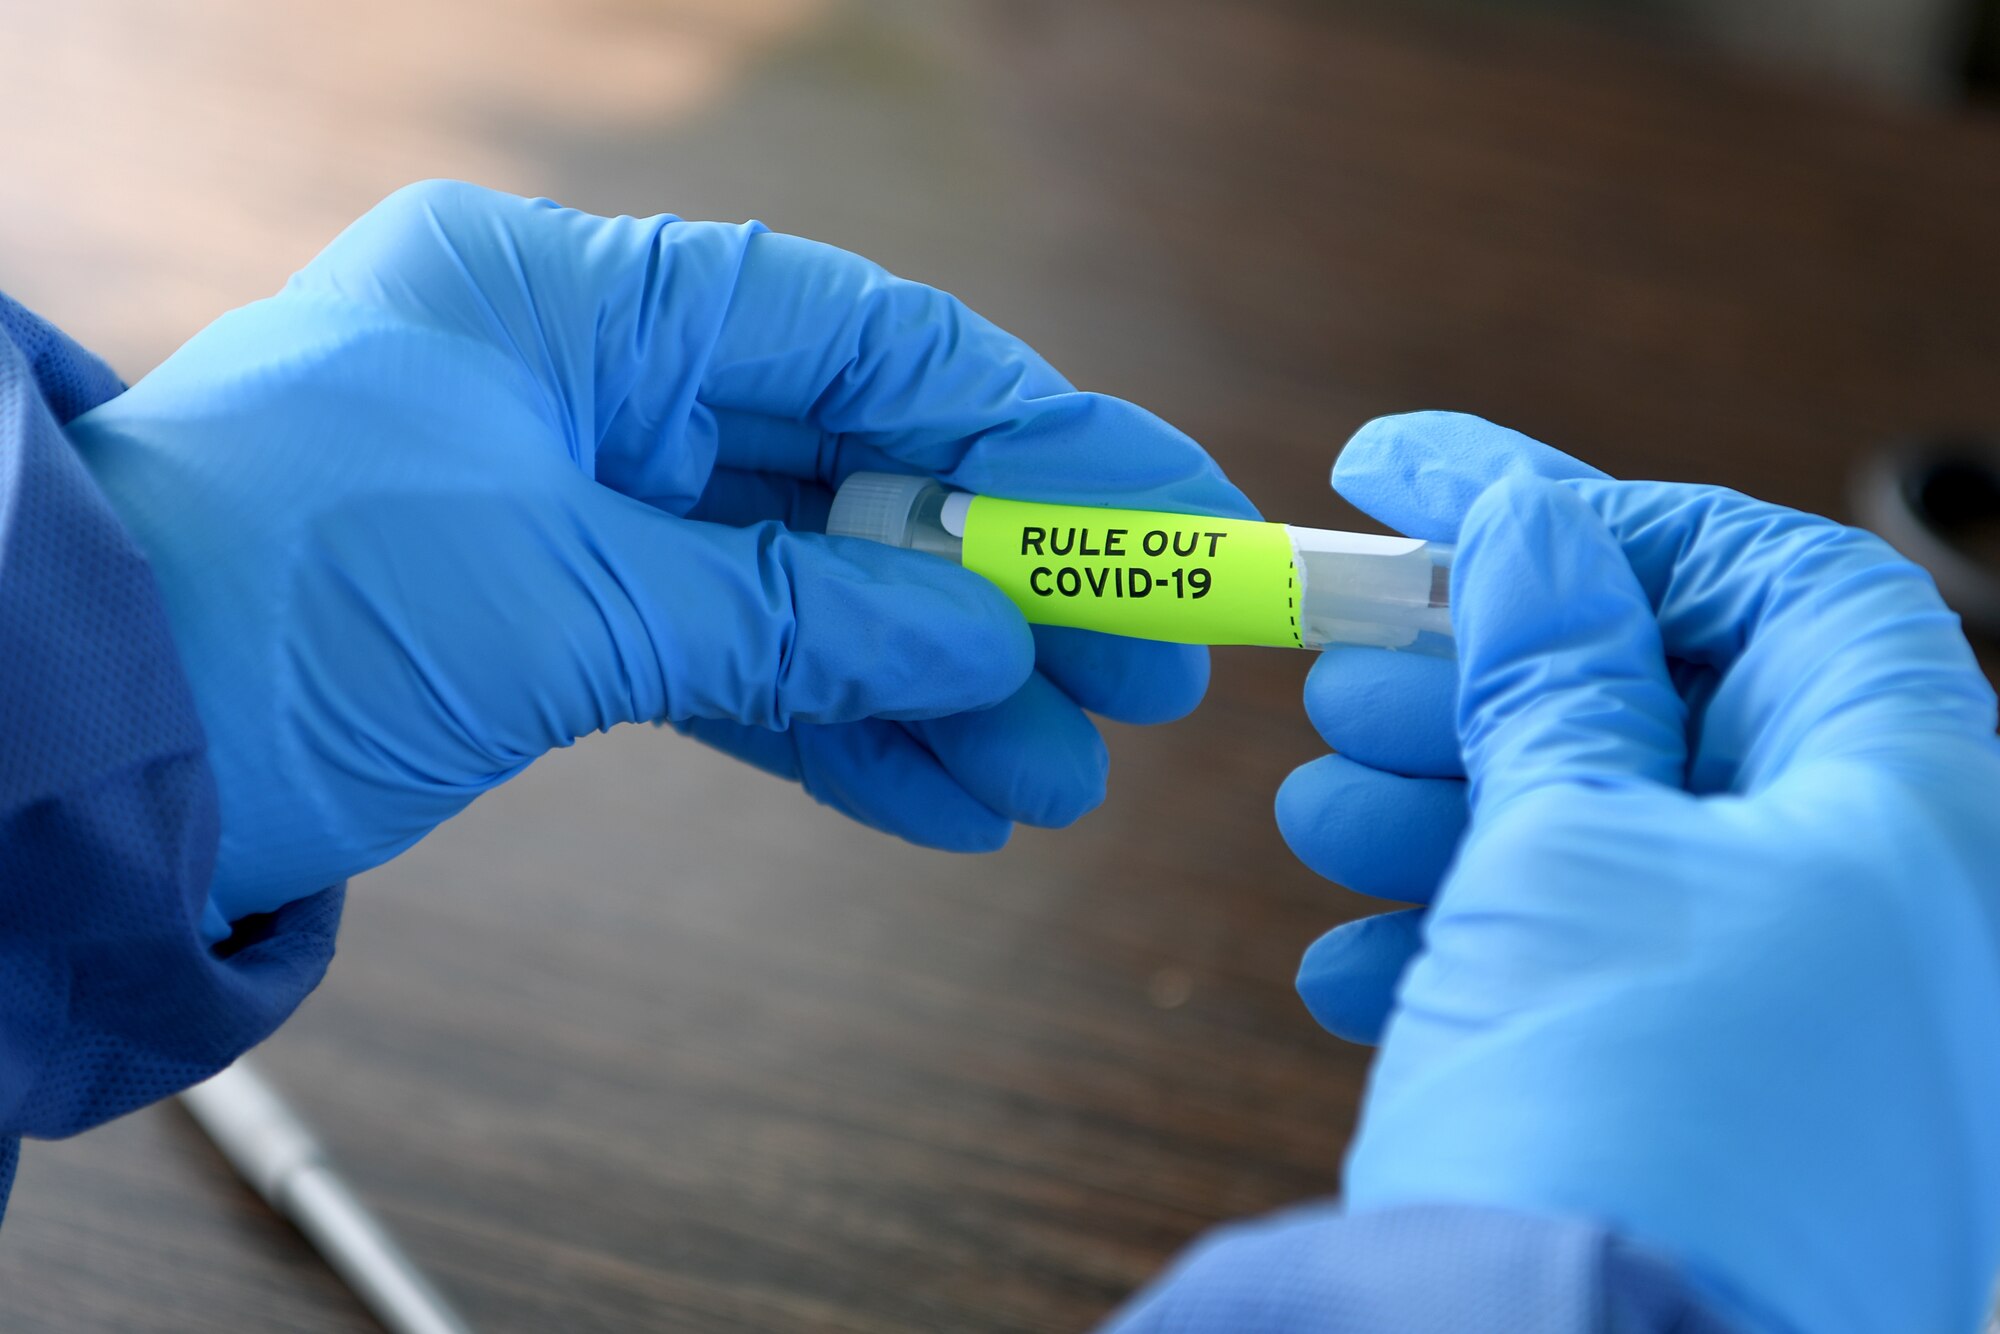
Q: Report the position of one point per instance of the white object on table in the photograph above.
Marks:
(283, 1161)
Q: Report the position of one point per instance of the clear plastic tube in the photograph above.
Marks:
(1346, 588)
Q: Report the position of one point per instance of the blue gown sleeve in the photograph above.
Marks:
(1435, 1269)
(109, 999)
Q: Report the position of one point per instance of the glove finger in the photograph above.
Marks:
(1420, 472)
(881, 775)
(1125, 680)
(817, 335)
(1816, 639)
(1390, 711)
(872, 771)
(1349, 976)
(1033, 758)
(766, 626)
(1377, 833)
(1563, 679)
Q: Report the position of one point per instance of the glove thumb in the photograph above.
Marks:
(764, 626)
(1562, 678)
(1349, 976)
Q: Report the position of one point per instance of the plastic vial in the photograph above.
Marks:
(1349, 588)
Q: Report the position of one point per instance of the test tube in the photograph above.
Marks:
(1187, 578)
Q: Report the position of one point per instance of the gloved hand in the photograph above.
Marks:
(1716, 962)
(489, 475)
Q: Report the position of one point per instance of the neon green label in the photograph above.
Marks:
(1179, 577)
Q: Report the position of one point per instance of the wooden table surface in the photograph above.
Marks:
(648, 1041)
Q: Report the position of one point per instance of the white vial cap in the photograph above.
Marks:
(877, 506)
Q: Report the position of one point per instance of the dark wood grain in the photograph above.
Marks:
(647, 1041)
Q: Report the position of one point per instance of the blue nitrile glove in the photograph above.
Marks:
(1718, 960)
(489, 475)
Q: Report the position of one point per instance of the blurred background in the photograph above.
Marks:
(646, 1041)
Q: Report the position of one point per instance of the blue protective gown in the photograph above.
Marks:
(109, 999)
